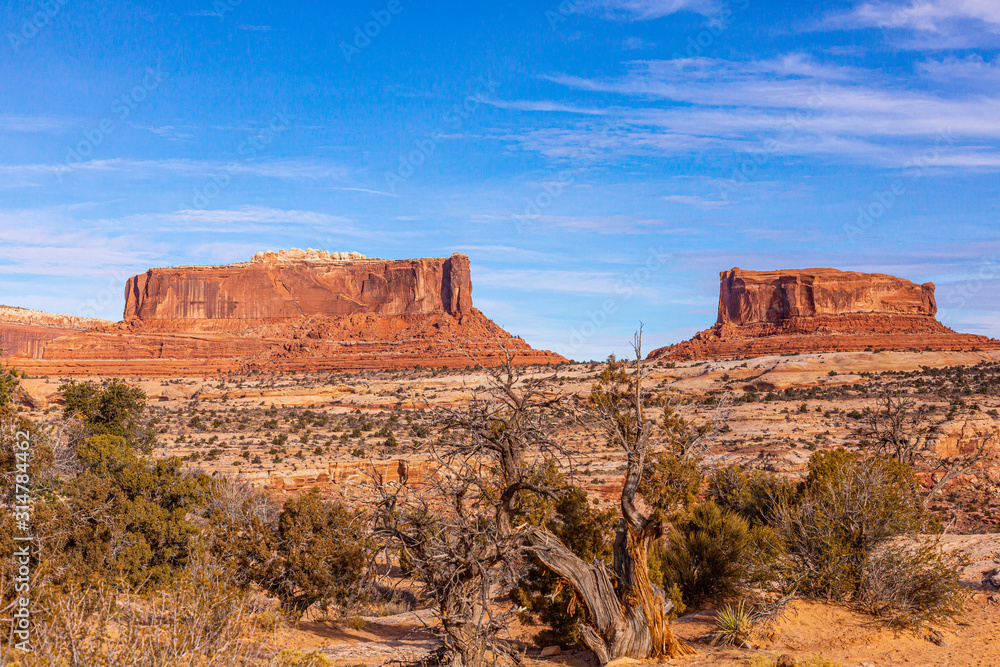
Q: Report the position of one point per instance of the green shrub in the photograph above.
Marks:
(848, 505)
(713, 554)
(755, 497)
(9, 385)
(310, 551)
(907, 585)
(134, 513)
(116, 409)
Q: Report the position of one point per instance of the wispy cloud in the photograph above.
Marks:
(539, 280)
(791, 105)
(238, 221)
(925, 15)
(925, 24)
(545, 106)
(692, 200)
(286, 169)
(645, 10)
(32, 124)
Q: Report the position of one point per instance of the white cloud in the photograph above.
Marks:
(287, 169)
(924, 15)
(792, 105)
(539, 280)
(925, 24)
(692, 200)
(545, 106)
(644, 10)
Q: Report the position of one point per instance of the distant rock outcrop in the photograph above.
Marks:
(287, 286)
(296, 310)
(25, 332)
(756, 297)
(821, 310)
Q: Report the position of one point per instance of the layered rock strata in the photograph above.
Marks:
(290, 311)
(821, 310)
(25, 332)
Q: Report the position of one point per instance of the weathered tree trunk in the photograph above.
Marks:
(628, 613)
(630, 622)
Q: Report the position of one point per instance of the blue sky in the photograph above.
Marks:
(599, 160)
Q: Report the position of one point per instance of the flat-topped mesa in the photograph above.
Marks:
(757, 297)
(295, 310)
(297, 283)
(820, 310)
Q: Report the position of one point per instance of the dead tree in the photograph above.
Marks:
(456, 530)
(894, 427)
(628, 614)
(971, 463)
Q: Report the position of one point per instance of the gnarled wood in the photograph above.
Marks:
(628, 613)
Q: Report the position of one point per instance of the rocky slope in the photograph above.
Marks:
(293, 310)
(821, 310)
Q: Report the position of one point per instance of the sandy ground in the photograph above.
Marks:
(807, 629)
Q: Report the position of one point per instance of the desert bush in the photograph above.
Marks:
(308, 551)
(907, 584)
(201, 619)
(127, 516)
(754, 496)
(109, 513)
(773, 660)
(116, 409)
(847, 506)
(712, 554)
(10, 384)
(296, 658)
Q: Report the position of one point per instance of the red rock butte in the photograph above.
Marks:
(296, 310)
(821, 310)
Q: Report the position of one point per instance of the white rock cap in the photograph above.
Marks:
(307, 255)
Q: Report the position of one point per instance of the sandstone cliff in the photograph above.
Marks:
(24, 332)
(820, 310)
(750, 297)
(297, 310)
(276, 287)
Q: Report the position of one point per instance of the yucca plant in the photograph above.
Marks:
(735, 625)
